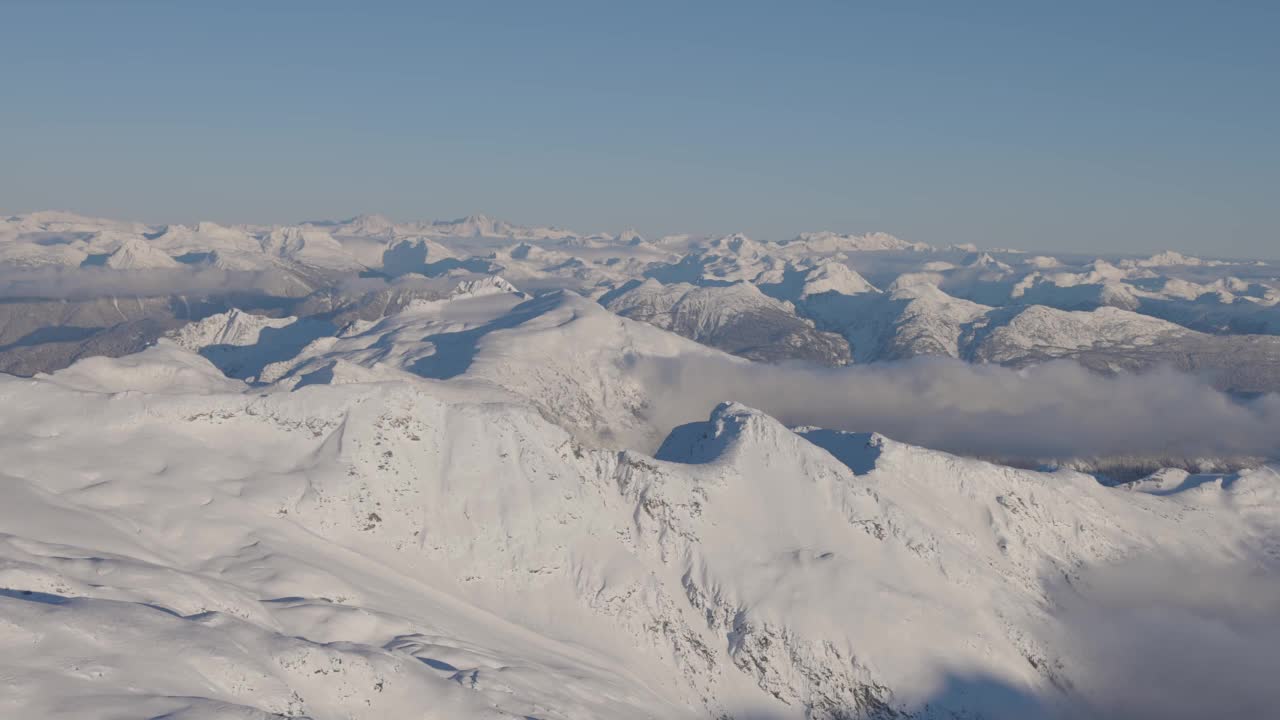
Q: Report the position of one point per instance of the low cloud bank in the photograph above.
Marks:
(1156, 642)
(1057, 410)
(89, 283)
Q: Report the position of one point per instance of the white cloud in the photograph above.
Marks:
(1053, 411)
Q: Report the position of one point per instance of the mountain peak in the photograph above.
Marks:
(725, 434)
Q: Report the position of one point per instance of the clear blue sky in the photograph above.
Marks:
(1093, 126)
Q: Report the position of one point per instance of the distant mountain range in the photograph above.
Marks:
(74, 286)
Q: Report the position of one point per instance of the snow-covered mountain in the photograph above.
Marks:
(815, 297)
(738, 318)
(830, 242)
(463, 507)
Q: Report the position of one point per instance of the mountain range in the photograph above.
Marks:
(468, 469)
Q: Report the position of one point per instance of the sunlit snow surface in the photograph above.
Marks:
(449, 494)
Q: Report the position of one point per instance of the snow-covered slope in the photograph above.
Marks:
(439, 538)
(830, 242)
(908, 321)
(1112, 340)
(138, 254)
(565, 354)
(233, 327)
(310, 248)
(938, 300)
(737, 318)
(377, 469)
